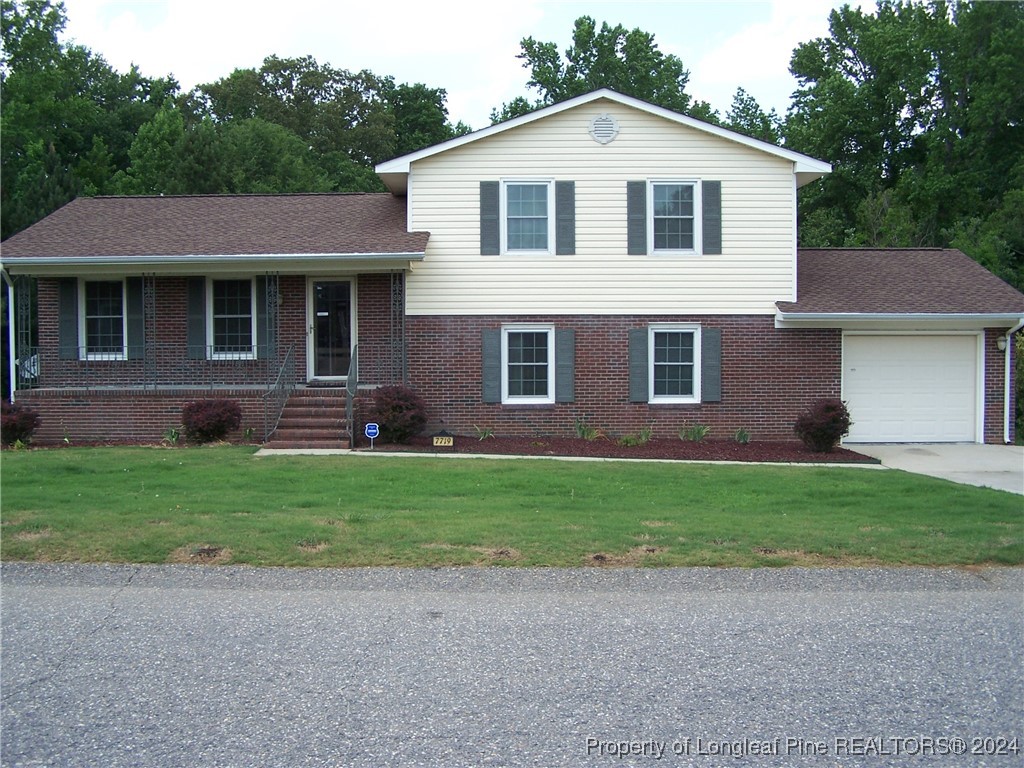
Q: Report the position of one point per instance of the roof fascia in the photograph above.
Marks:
(894, 320)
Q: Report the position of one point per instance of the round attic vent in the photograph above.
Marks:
(604, 129)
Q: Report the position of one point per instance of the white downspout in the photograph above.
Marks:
(1008, 379)
(10, 333)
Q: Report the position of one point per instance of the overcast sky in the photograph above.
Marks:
(468, 48)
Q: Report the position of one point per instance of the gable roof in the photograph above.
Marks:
(128, 230)
(883, 282)
(395, 172)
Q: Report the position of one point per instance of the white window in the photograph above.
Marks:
(528, 220)
(528, 364)
(674, 220)
(674, 355)
(102, 320)
(231, 328)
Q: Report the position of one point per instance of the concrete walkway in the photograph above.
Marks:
(990, 466)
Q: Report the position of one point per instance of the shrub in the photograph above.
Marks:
(741, 436)
(643, 437)
(694, 434)
(207, 420)
(584, 431)
(399, 411)
(17, 423)
(822, 425)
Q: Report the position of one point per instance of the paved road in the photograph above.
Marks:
(184, 666)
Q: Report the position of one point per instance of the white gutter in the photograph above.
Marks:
(10, 334)
(1008, 379)
(150, 260)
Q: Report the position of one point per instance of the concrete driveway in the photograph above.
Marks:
(990, 466)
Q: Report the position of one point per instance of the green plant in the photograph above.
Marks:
(205, 421)
(249, 433)
(694, 434)
(823, 425)
(741, 436)
(482, 433)
(172, 435)
(640, 438)
(585, 431)
(399, 412)
(17, 423)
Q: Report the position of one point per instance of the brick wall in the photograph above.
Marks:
(768, 377)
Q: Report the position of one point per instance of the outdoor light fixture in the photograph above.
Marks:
(1001, 343)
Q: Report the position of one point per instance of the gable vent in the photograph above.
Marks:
(604, 129)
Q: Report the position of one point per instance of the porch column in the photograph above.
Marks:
(24, 356)
(399, 359)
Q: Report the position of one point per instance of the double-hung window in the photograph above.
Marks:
(674, 355)
(528, 216)
(103, 319)
(528, 364)
(232, 326)
(675, 216)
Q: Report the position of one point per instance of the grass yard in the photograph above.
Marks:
(223, 505)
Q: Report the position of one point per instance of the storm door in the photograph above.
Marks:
(331, 328)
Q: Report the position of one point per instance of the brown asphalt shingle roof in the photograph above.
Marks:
(898, 281)
(227, 225)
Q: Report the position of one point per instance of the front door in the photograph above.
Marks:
(331, 328)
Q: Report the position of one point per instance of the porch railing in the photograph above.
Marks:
(351, 390)
(277, 395)
(156, 366)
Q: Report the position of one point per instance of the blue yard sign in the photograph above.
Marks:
(371, 430)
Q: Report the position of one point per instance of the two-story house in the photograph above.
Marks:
(602, 260)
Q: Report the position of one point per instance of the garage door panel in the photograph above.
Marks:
(911, 388)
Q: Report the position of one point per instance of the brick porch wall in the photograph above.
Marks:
(768, 377)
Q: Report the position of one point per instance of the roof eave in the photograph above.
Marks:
(896, 320)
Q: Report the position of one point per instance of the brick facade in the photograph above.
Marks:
(768, 377)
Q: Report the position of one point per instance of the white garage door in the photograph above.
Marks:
(911, 389)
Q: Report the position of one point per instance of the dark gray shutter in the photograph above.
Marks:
(638, 365)
(490, 218)
(711, 223)
(565, 218)
(67, 309)
(136, 319)
(636, 218)
(490, 351)
(711, 365)
(565, 365)
(266, 334)
(196, 338)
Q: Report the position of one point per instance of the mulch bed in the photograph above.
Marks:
(671, 449)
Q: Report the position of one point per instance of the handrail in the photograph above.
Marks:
(277, 394)
(351, 389)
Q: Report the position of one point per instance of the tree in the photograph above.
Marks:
(746, 116)
(627, 61)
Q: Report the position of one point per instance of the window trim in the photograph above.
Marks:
(549, 183)
(698, 218)
(547, 328)
(83, 324)
(652, 331)
(212, 354)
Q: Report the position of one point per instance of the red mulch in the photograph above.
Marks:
(657, 448)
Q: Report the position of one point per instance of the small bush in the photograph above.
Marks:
(741, 436)
(17, 423)
(584, 431)
(643, 437)
(207, 420)
(823, 425)
(694, 434)
(399, 411)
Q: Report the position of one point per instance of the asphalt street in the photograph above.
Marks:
(225, 666)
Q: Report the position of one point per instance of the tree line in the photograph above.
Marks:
(919, 106)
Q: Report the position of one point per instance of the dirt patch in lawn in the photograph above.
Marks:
(657, 448)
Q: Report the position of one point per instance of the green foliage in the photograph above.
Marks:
(584, 430)
(695, 433)
(741, 436)
(483, 433)
(627, 61)
(746, 116)
(17, 423)
(640, 438)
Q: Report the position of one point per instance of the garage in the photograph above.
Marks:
(911, 388)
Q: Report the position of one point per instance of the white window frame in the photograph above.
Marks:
(507, 399)
(550, 184)
(652, 331)
(697, 217)
(83, 326)
(210, 342)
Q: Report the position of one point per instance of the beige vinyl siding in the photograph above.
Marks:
(758, 197)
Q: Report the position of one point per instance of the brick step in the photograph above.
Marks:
(318, 432)
(300, 421)
(312, 418)
(328, 444)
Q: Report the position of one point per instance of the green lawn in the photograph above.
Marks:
(223, 505)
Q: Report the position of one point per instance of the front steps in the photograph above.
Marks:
(313, 417)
